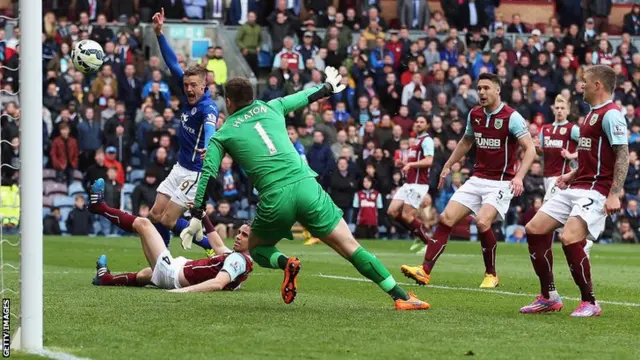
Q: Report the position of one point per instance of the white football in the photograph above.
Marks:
(87, 56)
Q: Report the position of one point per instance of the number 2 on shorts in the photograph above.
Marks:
(265, 138)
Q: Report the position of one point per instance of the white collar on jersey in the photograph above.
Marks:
(494, 111)
(601, 105)
(423, 135)
(560, 123)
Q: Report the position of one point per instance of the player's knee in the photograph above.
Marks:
(140, 224)
(155, 214)
(167, 221)
(483, 224)
(447, 219)
(408, 213)
(393, 212)
(532, 228)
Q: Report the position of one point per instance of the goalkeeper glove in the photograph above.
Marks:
(333, 80)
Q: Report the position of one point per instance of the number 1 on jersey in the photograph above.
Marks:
(265, 137)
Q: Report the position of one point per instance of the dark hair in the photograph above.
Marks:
(63, 126)
(239, 91)
(196, 70)
(491, 77)
(605, 75)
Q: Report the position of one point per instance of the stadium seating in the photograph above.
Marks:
(48, 174)
(136, 176)
(76, 188)
(125, 197)
(54, 188)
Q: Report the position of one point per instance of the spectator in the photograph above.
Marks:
(384, 169)
(101, 33)
(472, 15)
(516, 25)
(51, 222)
(110, 162)
(534, 182)
(408, 90)
(624, 233)
(368, 202)
(518, 236)
(163, 87)
(96, 170)
(631, 21)
(161, 164)
(52, 100)
(79, 219)
(540, 105)
(632, 182)
(215, 63)
(112, 198)
(225, 223)
(230, 188)
(173, 9)
(122, 142)
(632, 214)
(288, 55)
(326, 126)
(320, 157)
(439, 22)
(281, 27)
(238, 13)
(273, 89)
(105, 78)
(414, 14)
(249, 40)
(342, 187)
(64, 154)
(90, 138)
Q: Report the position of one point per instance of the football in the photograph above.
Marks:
(87, 56)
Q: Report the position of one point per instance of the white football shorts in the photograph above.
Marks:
(412, 194)
(585, 204)
(181, 185)
(166, 273)
(477, 192)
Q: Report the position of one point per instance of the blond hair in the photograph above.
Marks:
(561, 99)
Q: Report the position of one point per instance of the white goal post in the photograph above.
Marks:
(31, 274)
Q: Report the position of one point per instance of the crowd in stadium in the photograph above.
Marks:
(120, 124)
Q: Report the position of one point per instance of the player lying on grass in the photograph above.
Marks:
(226, 271)
(497, 130)
(590, 193)
(256, 137)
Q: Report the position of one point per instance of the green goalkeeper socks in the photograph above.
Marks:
(371, 268)
(269, 257)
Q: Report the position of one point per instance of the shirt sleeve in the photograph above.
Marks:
(210, 120)
(428, 147)
(170, 58)
(615, 127)
(210, 167)
(235, 265)
(469, 130)
(517, 125)
(299, 100)
(356, 201)
(575, 133)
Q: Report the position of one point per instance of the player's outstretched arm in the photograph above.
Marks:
(216, 284)
(168, 55)
(303, 98)
(210, 167)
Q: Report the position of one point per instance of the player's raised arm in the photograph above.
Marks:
(210, 167)
(518, 128)
(167, 53)
(461, 149)
(615, 127)
(303, 98)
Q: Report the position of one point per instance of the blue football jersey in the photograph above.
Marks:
(191, 135)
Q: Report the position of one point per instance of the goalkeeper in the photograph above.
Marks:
(256, 137)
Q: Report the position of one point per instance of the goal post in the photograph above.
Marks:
(31, 262)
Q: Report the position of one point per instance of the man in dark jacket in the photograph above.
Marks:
(273, 89)
(342, 187)
(96, 170)
(320, 157)
(144, 193)
(51, 223)
(534, 183)
(129, 88)
(79, 221)
(384, 168)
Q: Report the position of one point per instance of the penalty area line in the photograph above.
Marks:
(457, 288)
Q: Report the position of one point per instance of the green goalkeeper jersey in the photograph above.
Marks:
(256, 138)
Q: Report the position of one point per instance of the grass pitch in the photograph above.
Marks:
(336, 313)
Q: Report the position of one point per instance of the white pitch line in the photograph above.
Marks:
(499, 292)
(56, 355)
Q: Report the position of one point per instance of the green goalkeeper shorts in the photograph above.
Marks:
(304, 201)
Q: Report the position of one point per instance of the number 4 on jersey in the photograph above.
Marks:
(265, 137)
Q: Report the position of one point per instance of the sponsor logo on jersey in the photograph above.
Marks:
(584, 143)
(498, 124)
(188, 129)
(551, 143)
(184, 117)
(211, 118)
(593, 120)
(563, 131)
(194, 111)
(367, 204)
(619, 130)
(487, 143)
